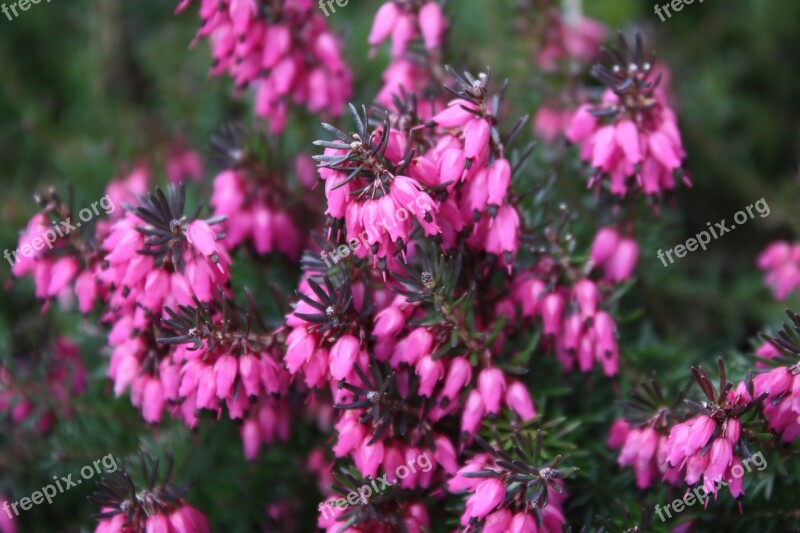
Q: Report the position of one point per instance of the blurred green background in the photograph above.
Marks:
(89, 86)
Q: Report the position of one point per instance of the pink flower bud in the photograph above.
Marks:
(518, 399)
(604, 147)
(628, 140)
(491, 384)
(368, 457)
(251, 439)
(582, 125)
(695, 466)
(488, 495)
(384, 22)
(719, 460)
(187, 519)
(225, 374)
(552, 309)
(499, 179)
(201, 236)
(476, 137)
(402, 33)
(498, 522)
(733, 428)
(454, 116)
(343, 355)
(249, 373)
(429, 372)
(86, 290)
(473, 413)
(621, 265)
(587, 295)
(152, 400)
(445, 455)
(459, 374)
(432, 24)
(618, 434)
(604, 245)
(701, 430)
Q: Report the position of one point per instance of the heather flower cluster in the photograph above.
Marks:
(283, 51)
(416, 30)
(631, 137)
(27, 399)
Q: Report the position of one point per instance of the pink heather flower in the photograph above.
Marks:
(569, 38)
(459, 375)
(780, 262)
(7, 523)
(128, 188)
(254, 212)
(616, 255)
(35, 386)
(618, 434)
(781, 407)
(688, 438)
(719, 460)
(384, 22)
(498, 522)
(607, 352)
(429, 372)
(368, 457)
(289, 58)
(621, 265)
(518, 399)
(188, 519)
(636, 143)
(587, 296)
(474, 410)
(552, 309)
(551, 122)
(432, 24)
(491, 385)
(399, 23)
(183, 164)
(488, 495)
(605, 244)
(639, 450)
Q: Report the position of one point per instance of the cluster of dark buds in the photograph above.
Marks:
(168, 227)
(158, 507)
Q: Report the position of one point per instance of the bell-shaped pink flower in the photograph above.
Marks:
(587, 295)
(491, 385)
(518, 399)
(473, 413)
(621, 265)
(432, 24)
(383, 24)
(552, 309)
(459, 374)
(604, 245)
(430, 372)
(488, 495)
(343, 355)
(476, 137)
